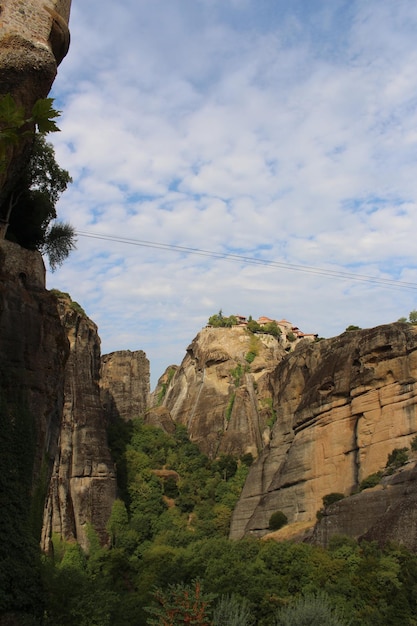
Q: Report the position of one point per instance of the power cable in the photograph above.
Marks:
(397, 284)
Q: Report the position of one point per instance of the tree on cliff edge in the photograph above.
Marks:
(31, 206)
(27, 206)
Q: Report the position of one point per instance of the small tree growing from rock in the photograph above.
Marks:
(277, 520)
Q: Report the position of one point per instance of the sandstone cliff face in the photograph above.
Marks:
(83, 484)
(34, 38)
(124, 384)
(221, 390)
(342, 406)
(33, 348)
(387, 512)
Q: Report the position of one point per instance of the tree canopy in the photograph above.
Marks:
(27, 203)
(31, 206)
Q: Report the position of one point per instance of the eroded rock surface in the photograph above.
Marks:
(342, 406)
(33, 348)
(221, 390)
(387, 512)
(124, 384)
(34, 38)
(83, 484)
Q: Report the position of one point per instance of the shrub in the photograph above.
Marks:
(247, 459)
(314, 610)
(397, 458)
(231, 610)
(414, 443)
(237, 373)
(413, 317)
(250, 357)
(277, 520)
(180, 604)
(370, 481)
(330, 498)
(229, 407)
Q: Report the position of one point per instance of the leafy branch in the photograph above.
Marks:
(16, 125)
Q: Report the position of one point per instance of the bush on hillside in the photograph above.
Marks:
(277, 520)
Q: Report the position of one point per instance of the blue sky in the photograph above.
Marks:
(283, 131)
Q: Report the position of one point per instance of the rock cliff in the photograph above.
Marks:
(83, 483)
(221, 390)
(387, 512)
(342, 406)
(34, 349)
(34, 38)
(124, 384)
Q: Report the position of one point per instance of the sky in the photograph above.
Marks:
(277, 137)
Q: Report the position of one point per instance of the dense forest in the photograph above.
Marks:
(169, 560)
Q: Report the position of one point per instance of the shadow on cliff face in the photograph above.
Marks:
(119, 433)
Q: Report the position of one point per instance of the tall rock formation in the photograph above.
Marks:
(221, 390)
(34, 349)
(124, 384)
(34, 38)
(83, 484)
(342, 406)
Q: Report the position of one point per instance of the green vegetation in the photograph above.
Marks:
(237, 373)
(180, 604)
(230, 610)
(330, 498)
(370, 481)
(312, 609)
(213, 579)
(254, 345)
(414, 444)
(20, 579)
(413, 317)
(15, 125)
(271, 328)
(397, 458)
(250, 357)
(62, 295)
(277, 520)
(229, 407)
(162, 392)
(268, 404)
(352, 327)
(169, 556)
(31, 206)
(220, 321)
(28, 209)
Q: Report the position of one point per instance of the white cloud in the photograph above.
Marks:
(283, 131)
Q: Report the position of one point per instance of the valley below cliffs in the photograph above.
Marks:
(313, 418)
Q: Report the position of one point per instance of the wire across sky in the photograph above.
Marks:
(248, 260)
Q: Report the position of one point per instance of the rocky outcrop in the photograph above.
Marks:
(124, 384)
(160, 417)
(387, 512)
(221, 391)
(342, 406)
(33, 348)
(34, 38)
(83, 484)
